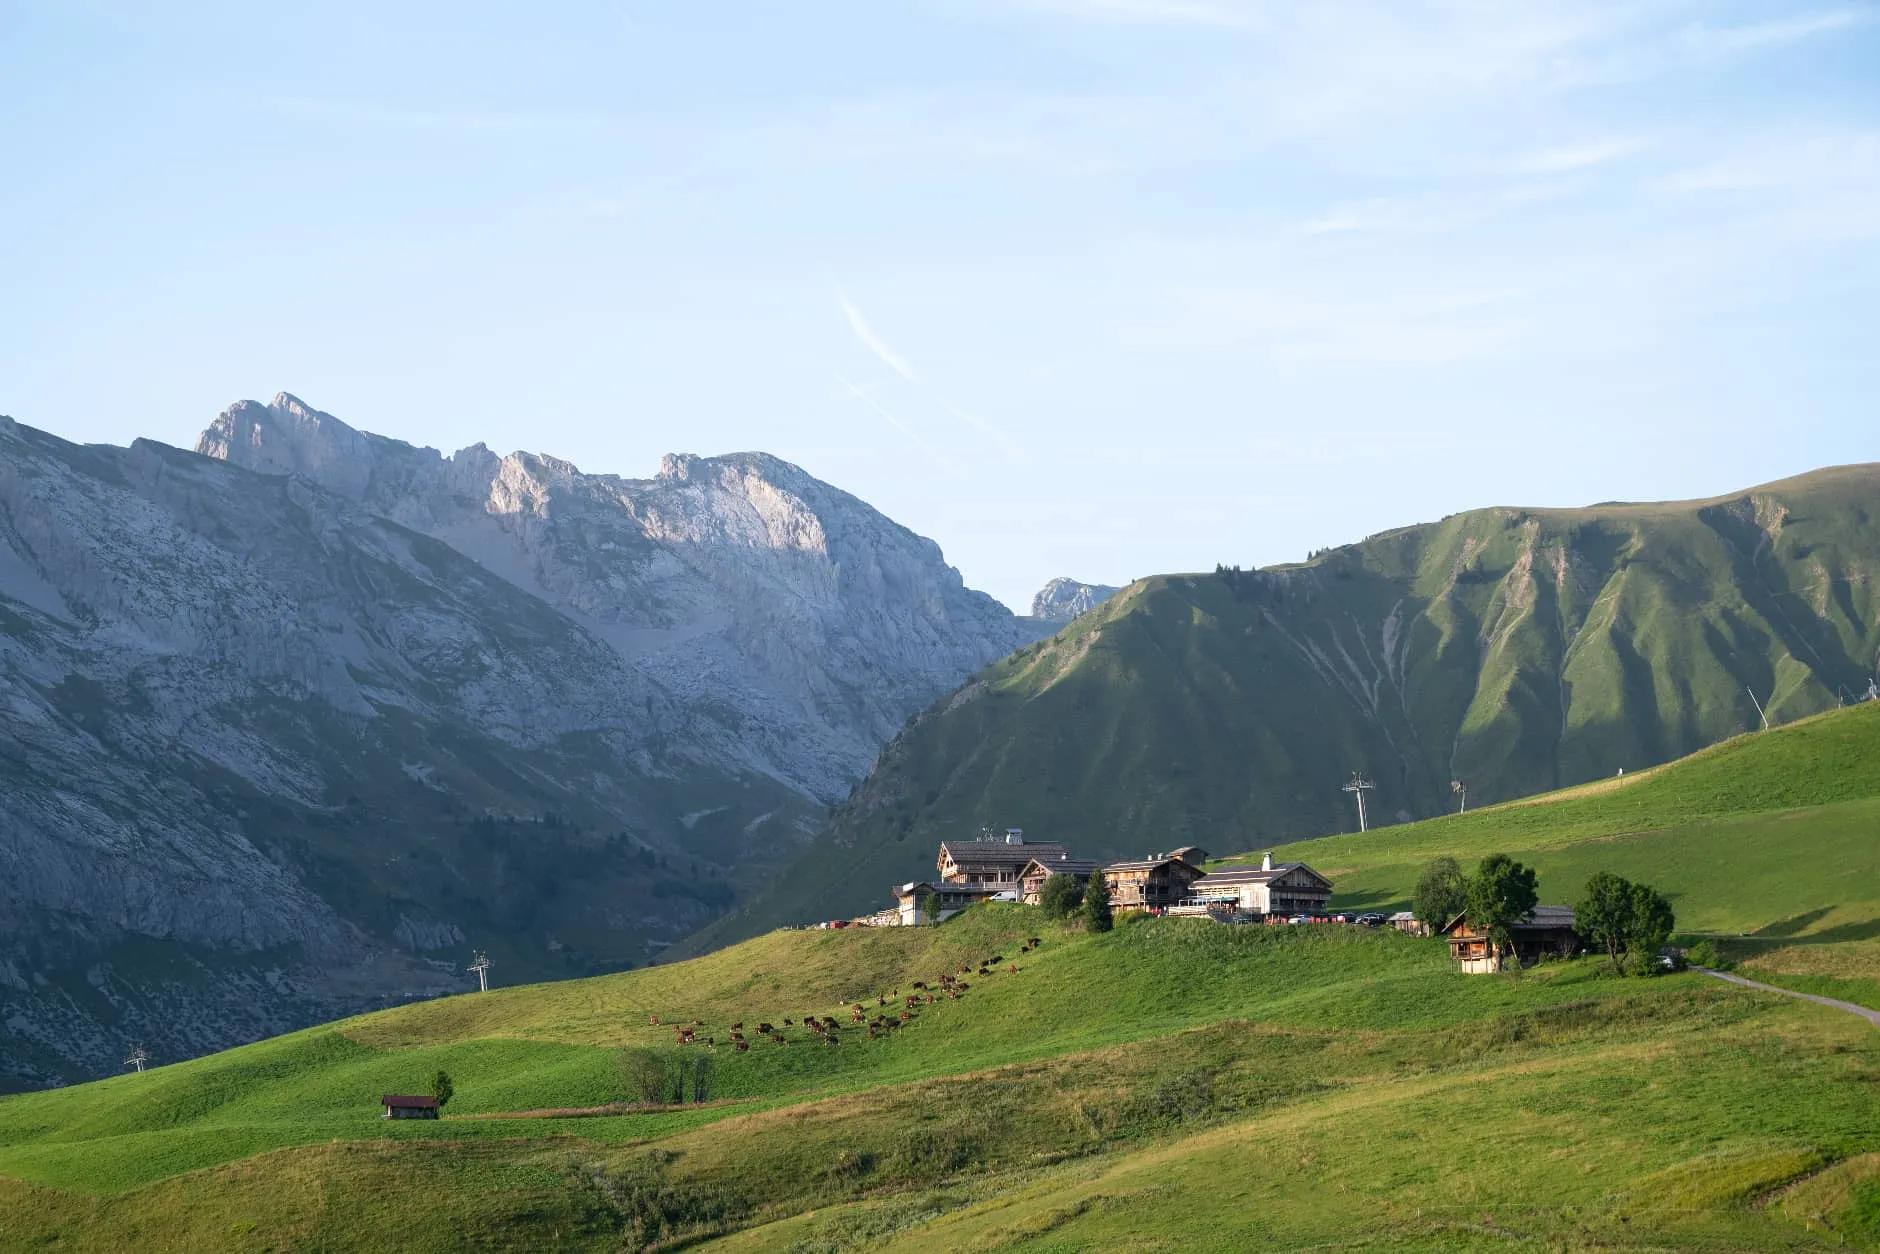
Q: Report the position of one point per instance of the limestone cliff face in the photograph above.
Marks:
(1064, 599)
(284, 738)
(735, 582)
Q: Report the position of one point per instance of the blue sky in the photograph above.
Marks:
(1086, 287)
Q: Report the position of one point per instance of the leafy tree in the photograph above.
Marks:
(1652, 922)
(643, 1075)
(1097, 914)
(442, 1089)
(1501, 893)
(1605, 913)
(1442, 893)
(1061, 896)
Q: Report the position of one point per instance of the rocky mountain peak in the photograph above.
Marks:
(741, 578)
(1064, 599)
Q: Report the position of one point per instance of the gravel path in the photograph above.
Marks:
(1871, 1016)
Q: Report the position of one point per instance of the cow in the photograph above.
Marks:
(743, 1046)
(1013, 968)
(766, 1029)
(655, 1019)
(788, 1024)
(920, 984)
(737, 1036)
(1035, 941)
(737, 1025)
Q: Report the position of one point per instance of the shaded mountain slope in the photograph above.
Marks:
(269, 754)
(1513, 650)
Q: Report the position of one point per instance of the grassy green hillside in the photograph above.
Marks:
(1174, 1084)
(1515, 650)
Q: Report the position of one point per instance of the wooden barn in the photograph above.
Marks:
(401, 1106)
(1547, 932)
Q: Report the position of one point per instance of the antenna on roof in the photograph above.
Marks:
(481, 965)
(137, 1057)
(1358, 786)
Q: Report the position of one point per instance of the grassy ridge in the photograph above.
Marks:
(1518, 650)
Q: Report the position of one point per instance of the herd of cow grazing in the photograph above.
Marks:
(948, 985)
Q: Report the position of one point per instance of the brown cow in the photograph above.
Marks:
(738, 1024)
(743, 1046)
(655, 1019)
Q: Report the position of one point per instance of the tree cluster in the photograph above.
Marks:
(1062, 896)
(1098, 916)
(661, 1077)
(1631, 922)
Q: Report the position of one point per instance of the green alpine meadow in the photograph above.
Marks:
(1174, 1083)
(1501, 652)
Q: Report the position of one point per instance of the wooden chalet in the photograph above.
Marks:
(1271, 889)
(1546, 932)
(1150, 883)
(992, 861)
(1032, 876)
(402, 1106)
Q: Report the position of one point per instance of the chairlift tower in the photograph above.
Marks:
(481, 965)
(137, 1057)
(1358, 786)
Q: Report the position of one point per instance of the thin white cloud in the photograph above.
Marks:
(991, 431)
(1725, 40)
(1151, 12)
(1580, 156)
(873, 341)
(863, 395)
(886, 354)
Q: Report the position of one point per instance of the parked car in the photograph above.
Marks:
(1370, 920)
(1299, 918)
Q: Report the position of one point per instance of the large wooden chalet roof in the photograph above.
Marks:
(1065, 865)
(1237, 875)
(1148, 864)
(998, 852)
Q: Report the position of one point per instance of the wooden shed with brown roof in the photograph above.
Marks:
(406, 1106)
